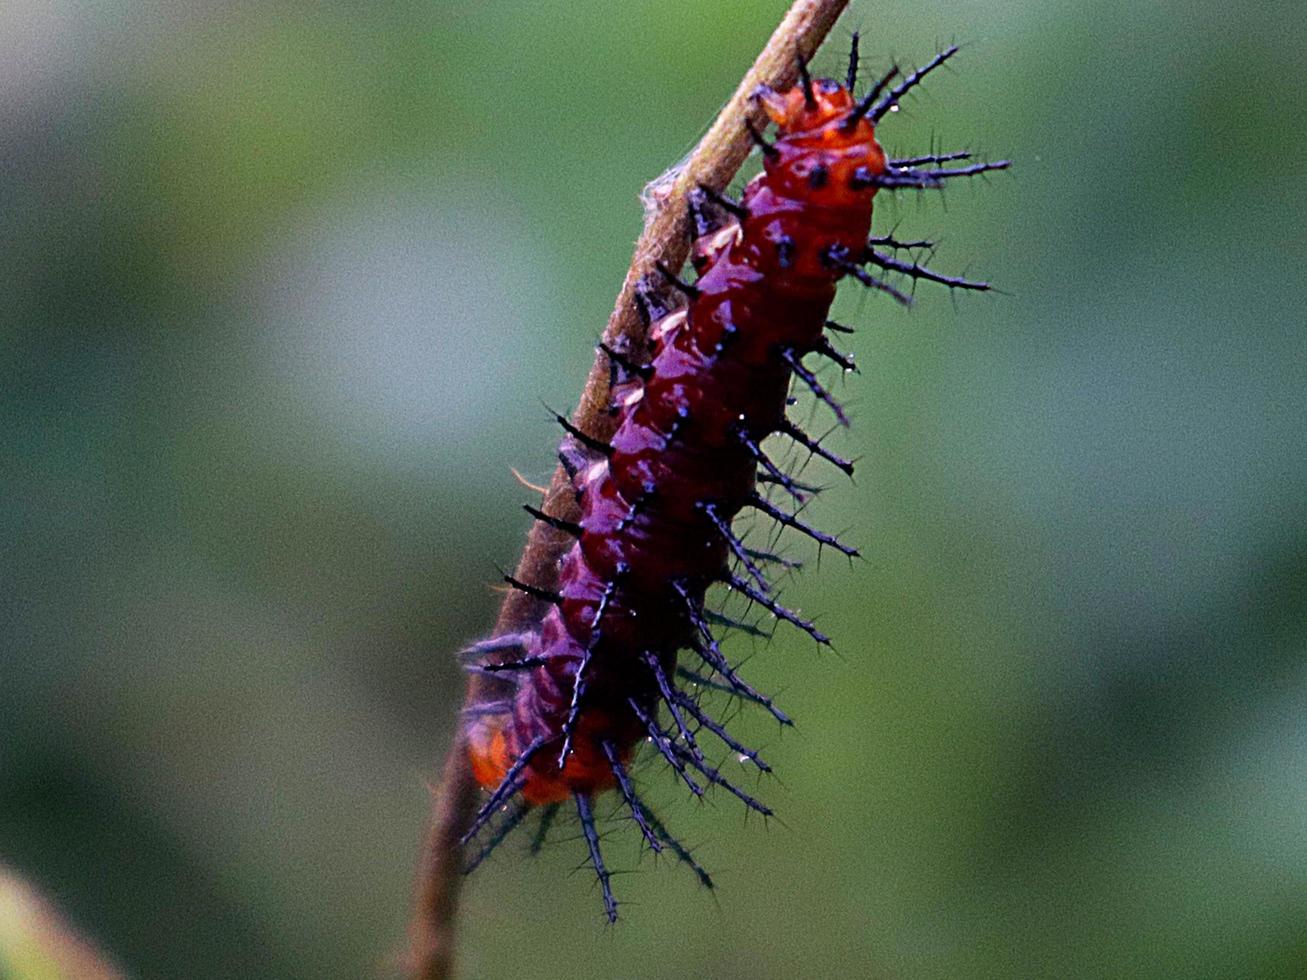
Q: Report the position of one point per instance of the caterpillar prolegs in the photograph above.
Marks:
(603, 671)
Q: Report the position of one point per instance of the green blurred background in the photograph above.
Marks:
(285, 285)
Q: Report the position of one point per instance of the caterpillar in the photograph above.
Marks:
(602, 673)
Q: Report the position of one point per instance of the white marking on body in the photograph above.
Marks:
(668, 325)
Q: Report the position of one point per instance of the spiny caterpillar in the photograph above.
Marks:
(601, 674)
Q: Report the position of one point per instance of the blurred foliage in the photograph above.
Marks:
(285, 287)
(35, 944)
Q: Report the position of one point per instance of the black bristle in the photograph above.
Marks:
(890, 242)
(929, 158)
(805, 79)
(544, 595)
(586, 813)
(717, 779)
(547, 815)
(664, 746)
(528, 663)
(933, 179)
(672, 278)
(724, 202)
(726, 622)
(915, 270)
(590, 442)
(558, 523)
(775, 608)
(642, 371)
(628, 794)
(813, 446)
(680, 850)
(871, 282)
(574, 708)
(768, 149)
(795, 362)
(826, 350)
(702, 223)
(789, 520)
(669, 699)
(506, 827)
(865, 104)
(509, 785)
(649, 302)
(714, 726)
(579, 681)
(779, 476)
(735, 544)
(910, 82)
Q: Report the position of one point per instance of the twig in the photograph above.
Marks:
(665, 239)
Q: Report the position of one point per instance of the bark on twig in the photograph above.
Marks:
(713, 163)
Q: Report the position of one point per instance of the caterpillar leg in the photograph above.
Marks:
(680, 850)
(500, 655)
(514, 642)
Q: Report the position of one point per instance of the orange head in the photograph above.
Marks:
(822, 115)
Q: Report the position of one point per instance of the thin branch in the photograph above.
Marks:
(665, 239)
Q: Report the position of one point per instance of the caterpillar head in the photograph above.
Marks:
(805, 107)
(824, 139)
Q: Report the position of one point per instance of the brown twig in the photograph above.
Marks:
(713, 163)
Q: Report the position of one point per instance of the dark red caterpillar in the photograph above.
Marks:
(657, 503)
